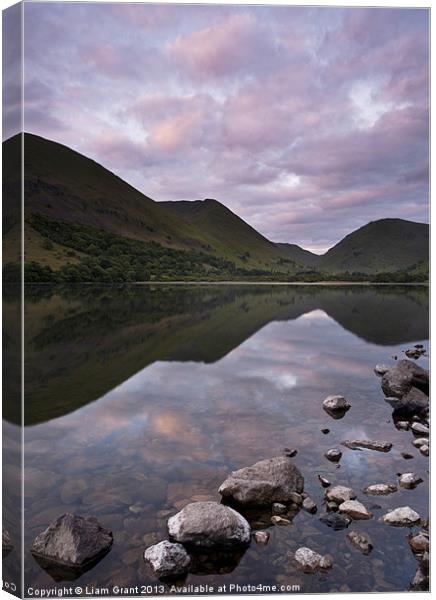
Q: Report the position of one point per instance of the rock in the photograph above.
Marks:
(324, 481)
(420, 429)
(333, 455)
(418, 442)
(360, 541)
(6, 541)
(415, 402)
(267, 481)
(290, 452)
(409, 480)
(335, 521)
(420, 582)
(309, 505)
(403, 516)
(380, 489)
(414, 353)
(368, 444)
(419, 543)
(208, 525)
(355, 510)
(407, 455)
(276, 520)
(336, 406)
(331, 507)
(279, 509)
(73, 540)
(425, 450)
(405, 374)
(296, 498)
(261, 537)
(325, 430)
(381, 369)
(167, 559)
(339, 494)
(402, 425)
(311, 561)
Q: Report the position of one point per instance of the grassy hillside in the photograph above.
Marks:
(300, 255)
(384, 245)
(228, 234)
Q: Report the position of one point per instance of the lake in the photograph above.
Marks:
(141, 399)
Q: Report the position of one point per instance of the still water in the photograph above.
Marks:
(142, 399)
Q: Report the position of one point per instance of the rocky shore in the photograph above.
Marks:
(271, 493)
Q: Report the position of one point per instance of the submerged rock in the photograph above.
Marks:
(167, 559)
(209, 524)
(335, 521)
(360, 541)
(267, 481)
(368, 444)
(311, 561)
(340, 493)
(336, 406)
(261, 537)
(276, 520)
(409, 480)
(355, 510)
(309, 505)
(404, 516)
(333, 455)
(380, 489)
(73, 540)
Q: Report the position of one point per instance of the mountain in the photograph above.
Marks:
(384, 245)
(300, 255)
(227, 233)
(85, 224)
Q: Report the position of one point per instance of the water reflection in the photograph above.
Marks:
(142, 399)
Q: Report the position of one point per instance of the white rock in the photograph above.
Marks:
(168, 559)
(409, 480)
(311, 561)
(380, 489)
(355, 510)
(402, 516)
(420, 429)
(425, 450)
(418, 442)
(340, 493)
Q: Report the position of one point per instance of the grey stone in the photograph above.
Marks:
(324, 481)
(399, 380)
(377, 445)
(419, 543)
(73, 540)
(418, 442)
(279, 509)
(360, 541)
(404, 516)
(381, 369)
(267, 481)
(167, 559)
(309, 505)
(355, 510)
(336, 406)
(209, 524)
(425, 450)
(335, 521)
(420, 429)
(340, 493)
(409, 480)
(310, 561)
(334, 455)
(380, 489)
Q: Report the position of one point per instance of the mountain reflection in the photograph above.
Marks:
(81, 342)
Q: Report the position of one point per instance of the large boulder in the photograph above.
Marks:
(414, 402)
(267, 481)
(167, 559)
(406, 374)
(73, 540)
(208, 525)
(404, 516)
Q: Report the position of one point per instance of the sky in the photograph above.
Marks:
(306, 122)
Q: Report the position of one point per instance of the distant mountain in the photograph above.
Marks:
(300, 255)
(384, 245)
(83, 223)
(227, 233)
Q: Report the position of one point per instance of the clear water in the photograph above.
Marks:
(141, 399)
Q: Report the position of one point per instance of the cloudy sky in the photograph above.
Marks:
(306, 122)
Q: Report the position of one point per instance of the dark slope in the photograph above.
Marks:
(300, 255)
(384, 245)
(228, 234)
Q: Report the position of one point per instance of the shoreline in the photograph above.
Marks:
(224, 282)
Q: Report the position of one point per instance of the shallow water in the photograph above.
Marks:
(141, 399)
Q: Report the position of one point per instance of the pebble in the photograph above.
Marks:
(261, 537)
(324, 481)
(279, 509)
(334, 455)
(309, 505)
(409, 480)
(419, 543)
(325, 430)
(403, 425)
(276, 520)
(290, 452)
(425, 450)
(340, 493)
(406, 455)
(418, 442)
(380, 489)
